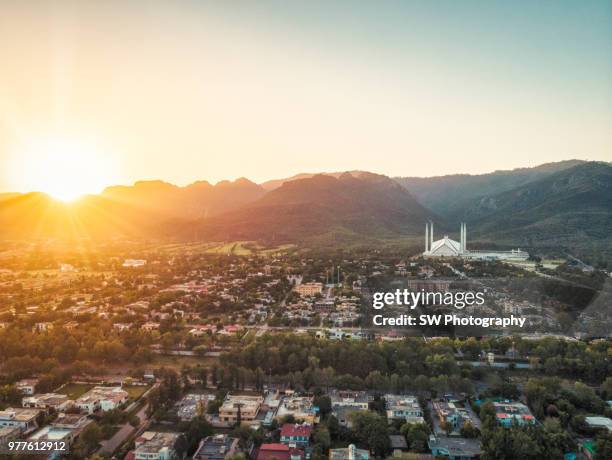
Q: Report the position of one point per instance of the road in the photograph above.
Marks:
(109, 446)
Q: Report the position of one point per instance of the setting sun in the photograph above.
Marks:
(66, 169)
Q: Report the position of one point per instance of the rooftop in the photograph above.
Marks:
(294, 429)
(456, 447)
(19, 414)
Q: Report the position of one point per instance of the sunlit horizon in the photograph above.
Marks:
(199, 90)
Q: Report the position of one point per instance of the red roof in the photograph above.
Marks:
(274, 446)
(131, 455)
(502, 415)
(293, 429)
(276, 450)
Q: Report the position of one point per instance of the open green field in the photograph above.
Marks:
(237, 248)
(75, 390)
(135, 391)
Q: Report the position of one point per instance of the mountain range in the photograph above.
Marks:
(566, 204)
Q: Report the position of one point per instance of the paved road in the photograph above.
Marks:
(110, 445)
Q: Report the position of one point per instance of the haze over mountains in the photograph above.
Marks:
(568, 204)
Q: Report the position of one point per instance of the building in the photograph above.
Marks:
(72, 421)
(349, 453)
(191, 405)
(453, 413)
(295, 435)
(22, 418)
(358, 400)
(599, 422)
(398, 444)
(447, 247)
(216, 447)
(345, 402)
(454, 448)
(27, 386)
(300, 407)
(47, 401)
(508, 413)
(134, 262)
(42, 327)
(277, 451)
(403, 408)
(101, 398)
(151, 445)
(309, 289)
(246, 405)
(54, 433)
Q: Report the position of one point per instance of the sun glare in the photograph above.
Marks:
(66, 169)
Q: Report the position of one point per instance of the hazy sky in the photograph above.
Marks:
(183, 90)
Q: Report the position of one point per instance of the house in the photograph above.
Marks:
(454, 448)
(101, 398)
(191, 405)
(42, 327)
(403, 408)
(150, 326)
(247, 405)
(453, 413)
(216, 447)
(300, 407)
(74, 422)
(22, 418)
(47, 401)
(358, 400)
(349, 453)
(398, 444)
(134, 263)
(345, 402)
(507, 413)
(295, 435)
(277, 451)
(151, 445)
(27, 386)
(599, 423)
(54, 434)
(309, 289)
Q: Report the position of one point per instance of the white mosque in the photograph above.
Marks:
(447, 247)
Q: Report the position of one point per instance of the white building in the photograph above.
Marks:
(403, 407)
(27, 386)
(102, 398)
(134, 262)
(155, 446)
(447, 247)
(47, 401)
(24, 419)
(599, 422)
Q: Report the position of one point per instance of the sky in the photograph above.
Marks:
(190, 90)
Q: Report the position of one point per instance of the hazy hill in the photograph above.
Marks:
(367, 205)
(450, 195)
(275, 183)
(197, 200)
(567, 205)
